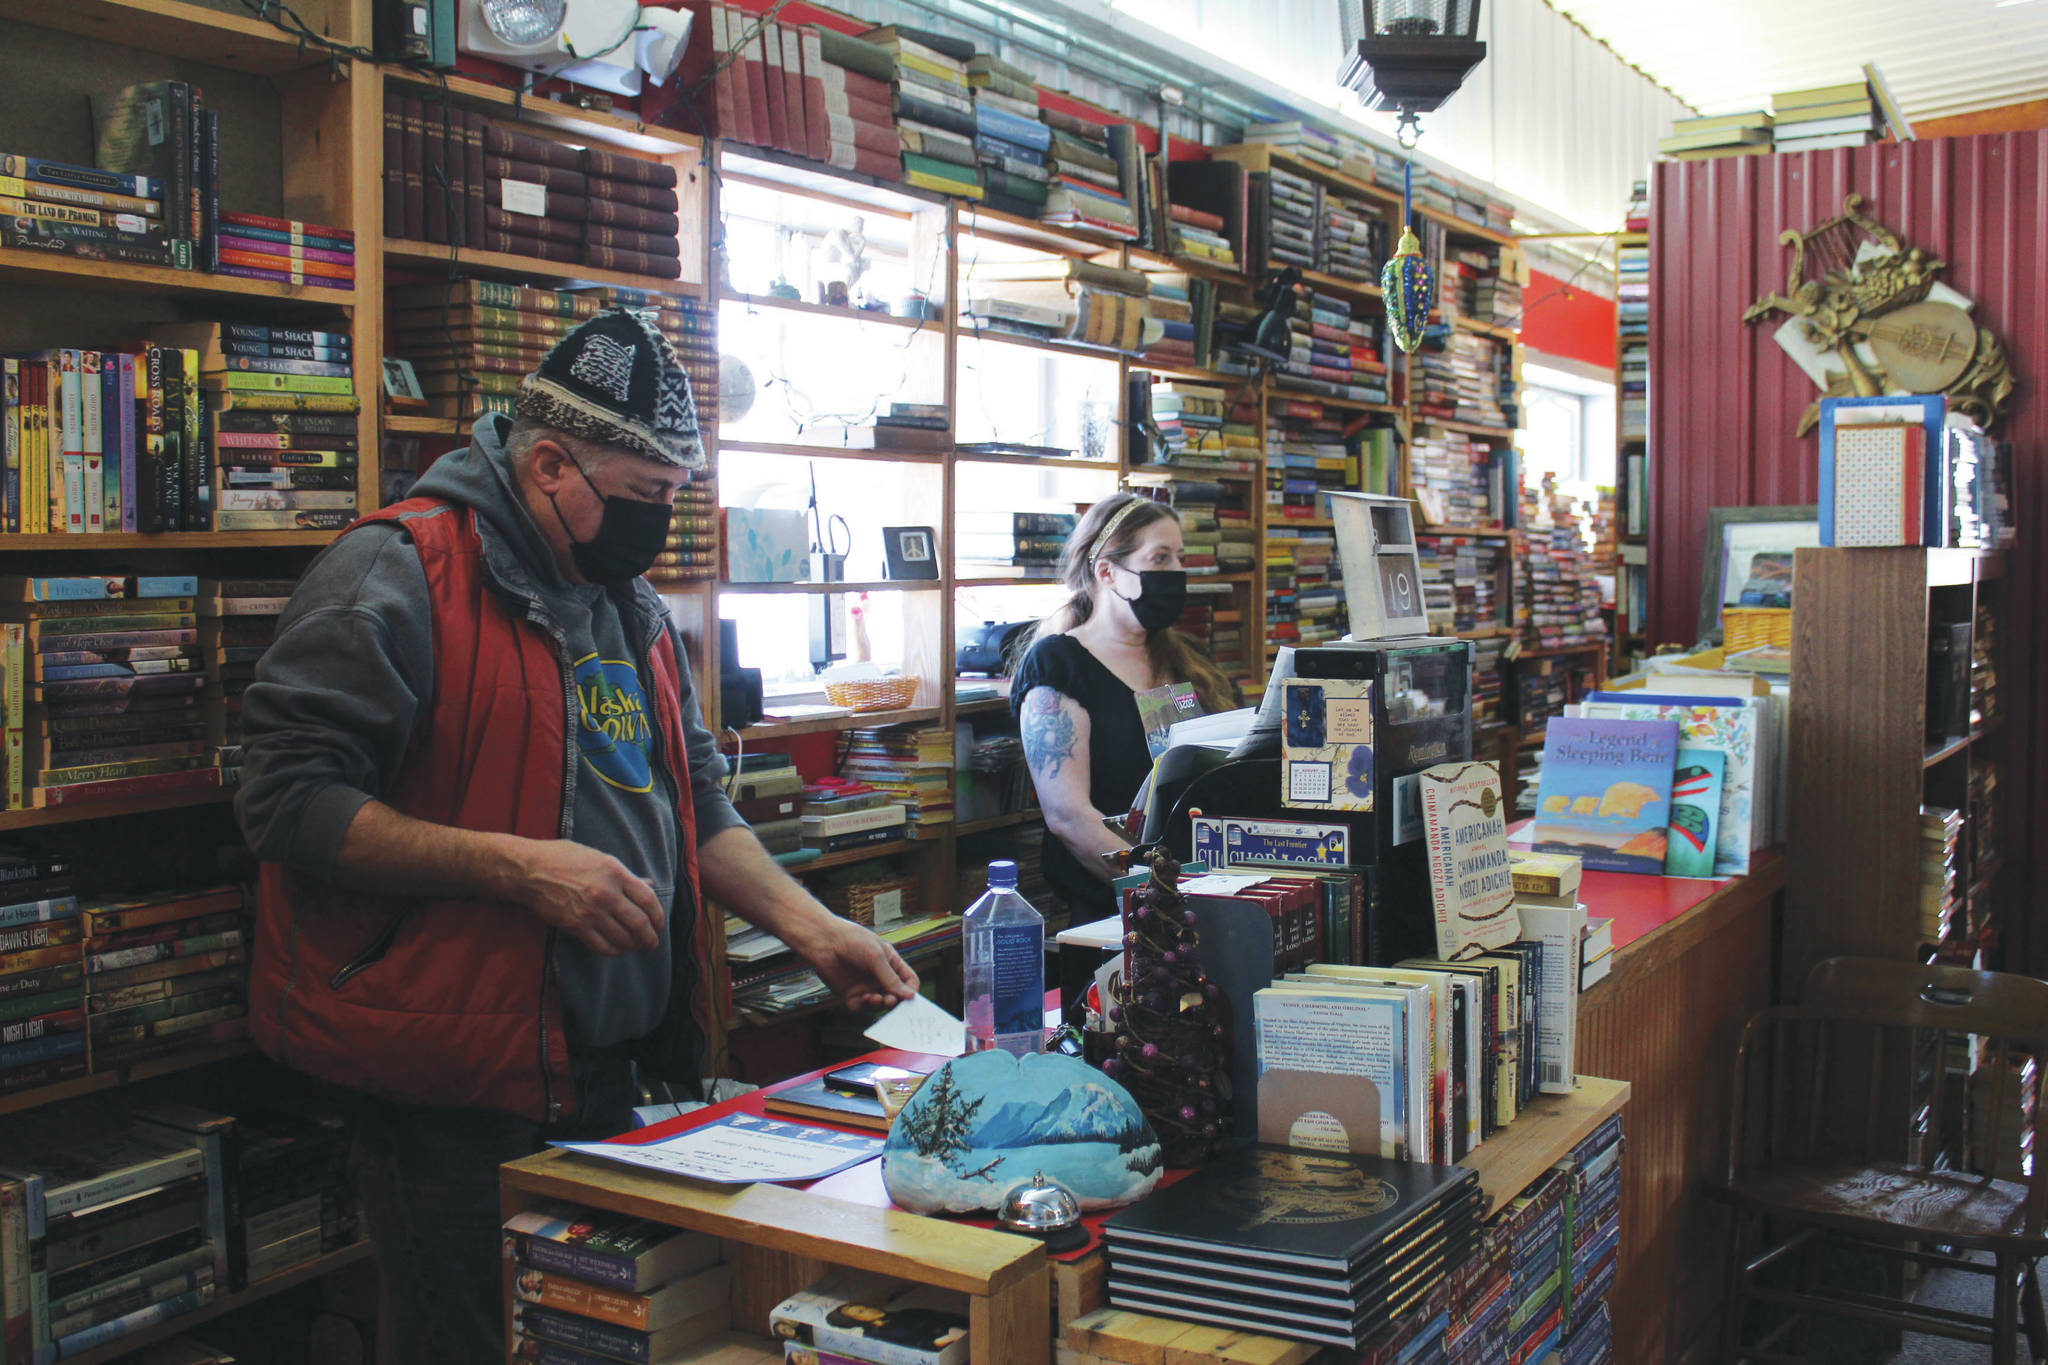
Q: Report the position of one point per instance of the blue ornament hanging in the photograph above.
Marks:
(1405, 280)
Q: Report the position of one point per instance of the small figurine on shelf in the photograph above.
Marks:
(843, 261)
(1172, 1041)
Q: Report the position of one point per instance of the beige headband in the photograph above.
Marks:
(1115, 521)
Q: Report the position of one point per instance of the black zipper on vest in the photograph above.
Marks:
(379, 946)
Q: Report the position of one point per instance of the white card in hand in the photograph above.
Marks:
(917, 1025)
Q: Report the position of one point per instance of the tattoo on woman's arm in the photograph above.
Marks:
(1049, 733)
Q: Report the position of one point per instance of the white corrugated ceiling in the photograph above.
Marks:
(1726, 56)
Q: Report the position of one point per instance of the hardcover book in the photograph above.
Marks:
(1464, 820)
(1605, 793)
(1695, 811)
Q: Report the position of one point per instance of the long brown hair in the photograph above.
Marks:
(1174, 656)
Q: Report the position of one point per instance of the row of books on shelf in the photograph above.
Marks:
(453, 177)
(1558, 598)
(1632, 314)
(98, 983)
(206, 427)
(134, 692)
(1334, 350)
(114, 1219)
(1356, 159)
(153, 198)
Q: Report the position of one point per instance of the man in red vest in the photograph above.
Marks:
(489, 813)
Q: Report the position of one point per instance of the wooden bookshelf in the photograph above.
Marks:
(167, 540)
(177, 28)
(822, 725)
(11, 820)
(21, 265)
(316, 1269)
(577, 124)
(499, 265)
(418, 424)
(95, 1082)
(802, 451)
(770, 304)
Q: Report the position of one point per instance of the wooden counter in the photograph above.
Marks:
(1666, 1021)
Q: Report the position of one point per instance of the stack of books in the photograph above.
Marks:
(62, 209)
(1632, 304)
(1458, 480)
(1497, 298)
(1023, 845)
(1200, 234)
(271, 464)
(237, 621)
(1056, 299)
(1476, 1302)
(1533, 1226)
(1303, 141)
(591, 1287)
(775, 981)
(913, 763)
(993, 780)
(1305, 456)
(456, 178)
(1353, 243)
(1375, 457)
(1458, 285)
(934, 107)
(1829, 116)
(471, 342)
(1198, 619)
(1487, 688)
(1087, 185)
(1592, 1242)
(1435, 561)
(1941, 833)
(994, 544)
(1190, 421)
(105, 677)
(42, 977)
(1010, 139)
(1471, 569)
(1557, 596)
(852, 1317)
(1199, 1250)
(1185, 309)
(849, 815)
(1701, 139)
(1292, 208)
(164, 973)
(292, 1199)
(1485, 380)
(768, 794)
(846, 97)
(120, 1224)
(1304, 589)
(286, 251)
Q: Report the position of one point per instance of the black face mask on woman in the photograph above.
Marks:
(630, 535)
(1162, 594)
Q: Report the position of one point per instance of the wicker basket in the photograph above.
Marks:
(873, 694)
(1748, 627)
(856, 900)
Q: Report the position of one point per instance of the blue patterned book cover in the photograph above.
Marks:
(1605, 793)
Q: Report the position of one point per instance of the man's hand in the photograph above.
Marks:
(589, 894)
(863, 970)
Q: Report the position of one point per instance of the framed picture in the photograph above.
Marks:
(912, 551)
(402, 387)
(1748, 560)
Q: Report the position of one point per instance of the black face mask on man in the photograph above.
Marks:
(630, 536)
(1162, 595)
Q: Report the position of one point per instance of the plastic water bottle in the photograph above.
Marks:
(1003, 943)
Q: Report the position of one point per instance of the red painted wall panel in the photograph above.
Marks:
(1562, 319)
(1725, 399)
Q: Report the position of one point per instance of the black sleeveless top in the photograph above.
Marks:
(1118, 759)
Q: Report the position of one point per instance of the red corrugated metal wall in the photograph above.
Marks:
(1725, 399)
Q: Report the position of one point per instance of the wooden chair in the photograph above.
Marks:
(1845, 1137)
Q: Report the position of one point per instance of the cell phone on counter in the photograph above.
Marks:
(864, 1078)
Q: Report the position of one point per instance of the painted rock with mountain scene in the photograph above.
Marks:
(985, 1123)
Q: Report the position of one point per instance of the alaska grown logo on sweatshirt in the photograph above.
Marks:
(615, 734)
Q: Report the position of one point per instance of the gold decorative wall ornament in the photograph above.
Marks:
(1867, 315)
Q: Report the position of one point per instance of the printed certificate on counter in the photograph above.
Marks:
(740, 1149)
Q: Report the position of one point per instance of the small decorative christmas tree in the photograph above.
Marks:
(1172, 1042)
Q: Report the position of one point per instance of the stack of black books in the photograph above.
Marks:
(1314, 1246)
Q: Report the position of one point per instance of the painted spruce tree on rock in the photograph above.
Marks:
(1172, 1042)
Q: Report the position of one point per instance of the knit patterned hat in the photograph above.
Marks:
(615, 380)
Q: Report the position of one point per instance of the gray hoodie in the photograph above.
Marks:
(330, 716)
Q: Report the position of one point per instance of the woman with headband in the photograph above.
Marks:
(1074, 692)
